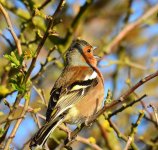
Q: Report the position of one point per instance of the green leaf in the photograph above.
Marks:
(39, 23)
(23, 13)
(16, 83)
(15, 59)
(20, 88)
(1, 132)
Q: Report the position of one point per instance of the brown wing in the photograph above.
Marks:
(66, 92)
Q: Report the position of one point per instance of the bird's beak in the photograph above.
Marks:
(96, 57)
(94, 48)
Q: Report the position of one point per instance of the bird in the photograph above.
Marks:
(77, 94)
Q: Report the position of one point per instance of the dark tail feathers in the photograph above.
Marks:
(41, 136)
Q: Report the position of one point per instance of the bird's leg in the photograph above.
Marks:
(73, 135)
(68, 133)
(87, 123)
(68, 147)
(77, 130)
(69, 136)
(46, 146)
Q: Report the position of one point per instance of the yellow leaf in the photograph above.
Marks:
(1, 113)
(92, 140)
(3, 90)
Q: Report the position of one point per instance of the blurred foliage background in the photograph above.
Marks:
(127, 45)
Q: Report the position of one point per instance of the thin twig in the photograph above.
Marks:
(81, 139)
(17, 41)
(65, 129)
(40, 94)
(7, 103)
(67, 141)
(121, 135)
(126, 106)
(31, 110)
(155, 112)
(128, 82)
(141, 82)
(12, 119)
(44, 98)
(44, 4)
(104, 134)
(12, 111)
(17, 124)
(129, 141)
(125, 63)
(35, 116)
(86, 141)
(133, 130)
(128, 14)
(8, 40)
(151, 120)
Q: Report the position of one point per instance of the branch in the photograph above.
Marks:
(50, 26)
(141, 82)
(128, 28)
(155, 112)
(124, 96)
(68, 140)
(38, 91)
(44, 4)
(65, 129)
(36, 119)
(20, 96)
(151, 120)
(120, 135)
(31, 110)
(17, 124)
(14, 107)
(87, 141)
(7, 18)
(104, 134)
(81, 139)
(133, 130)
(126, 106)
(129, 7)
(8, 40)
(12, 119)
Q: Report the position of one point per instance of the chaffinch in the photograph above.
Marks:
(77, 94)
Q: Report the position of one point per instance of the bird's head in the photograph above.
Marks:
(80, 53)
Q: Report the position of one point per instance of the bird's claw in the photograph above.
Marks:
(87, 123)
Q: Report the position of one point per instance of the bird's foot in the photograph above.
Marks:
(87, 123)
(68, 147)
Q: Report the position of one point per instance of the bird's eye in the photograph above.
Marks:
(89, 50)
